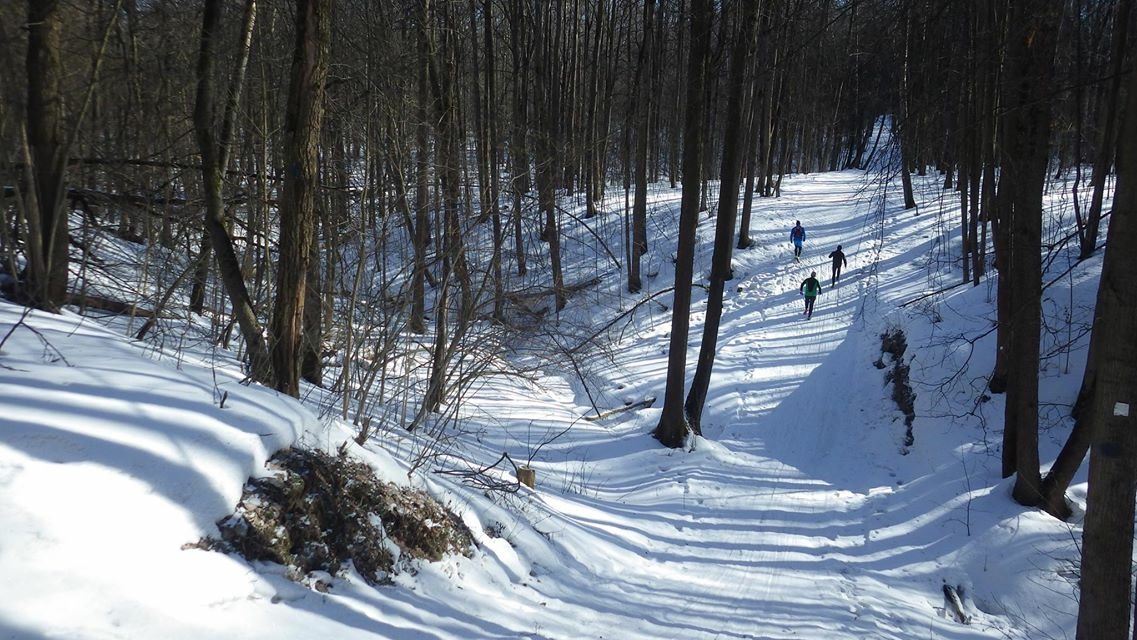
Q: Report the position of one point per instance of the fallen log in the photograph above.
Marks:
(87, 300)
(646, 402)
(515, 296)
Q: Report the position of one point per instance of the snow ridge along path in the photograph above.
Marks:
(800, 515)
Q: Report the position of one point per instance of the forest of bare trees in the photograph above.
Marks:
(359, 183)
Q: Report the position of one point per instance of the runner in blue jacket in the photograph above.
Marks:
(797, 236)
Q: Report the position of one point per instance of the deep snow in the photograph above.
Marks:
(801, 514)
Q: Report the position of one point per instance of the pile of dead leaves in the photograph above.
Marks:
(317, 512)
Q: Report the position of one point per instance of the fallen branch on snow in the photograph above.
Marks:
(646, 402)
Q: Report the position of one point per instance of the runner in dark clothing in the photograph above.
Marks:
(838, 258)
(810, 288)
(797, 237)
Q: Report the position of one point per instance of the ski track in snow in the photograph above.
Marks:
(798, 516)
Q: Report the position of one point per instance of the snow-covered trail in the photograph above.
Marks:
(788, 520)
(799, 515)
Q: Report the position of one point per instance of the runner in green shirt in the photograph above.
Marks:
(810, 288)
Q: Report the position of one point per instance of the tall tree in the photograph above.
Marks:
(643, 108)
(548, 104)
(443, 68)
(1110, 111)
(493, 161)
(904, 129)
(420, 235)
(1107, 541)
(45, 158)
(518, 149)
(730, 175)
(302, 122)
(1032, 29)
(214, 150)
(672, 428)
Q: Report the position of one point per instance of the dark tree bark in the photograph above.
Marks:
(46, 156)
(492, 160)
(988, 72)
(443, 68)
(1030, 53)
(1073, 452)
(591, 142)
(672, 428)
(1107, 540)
(518, 151)
(674, 129)
(730, 175)
(302, 122)
(548, 107)
(965, 135)
(481, 136)
(214, 158)
(421, 229)
(206, 249)
(769, 115)
(311, 349)
(443, 114)
(905, 130)
(1110, 107)
(750, 157)
(643, 104)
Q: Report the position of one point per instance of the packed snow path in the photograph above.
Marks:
(796, 516)
(799, 515)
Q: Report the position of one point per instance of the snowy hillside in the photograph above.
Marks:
(801, 514)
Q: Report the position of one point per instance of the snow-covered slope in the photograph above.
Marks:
(801, 514)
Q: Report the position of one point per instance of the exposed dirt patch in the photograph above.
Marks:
(317, 512)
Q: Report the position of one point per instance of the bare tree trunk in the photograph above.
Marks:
(302, 122)
(905, 173)
(643, 118)
(974, 159)
(421, 229)
(591, 142)
(46, 157)
(481, 143)
(987, 116)
(605, 122)
(494, 173)
(750, 158)
(1030, 54)
(436, 384)
(1001, 213)
(548, 102)
(311, 350)
(1104, 151)
(1107, 547)
(672, 428)
(729, 176)
(967, 240)
(214, 158)
(443, 69)
(518, 153)
(905, 130)
(768, 117)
